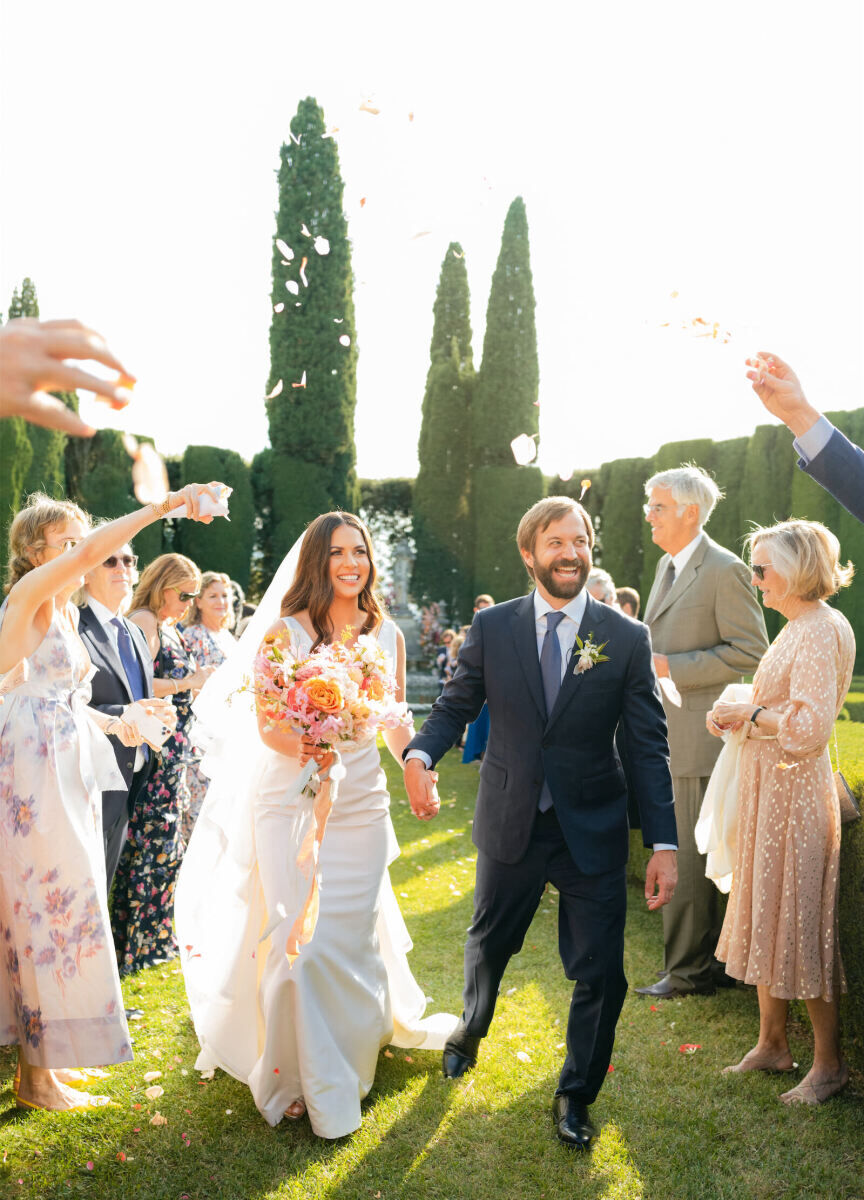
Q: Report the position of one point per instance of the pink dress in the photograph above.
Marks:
(60, 993)
(781, 922)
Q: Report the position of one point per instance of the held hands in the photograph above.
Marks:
(779, 389)
(32, 363)
(421, 789)
(661, 876)
(311, 749)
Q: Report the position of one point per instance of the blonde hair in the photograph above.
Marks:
(27, 531)
(541, 515)
(807, 555)
(166, 571)
(208, 578)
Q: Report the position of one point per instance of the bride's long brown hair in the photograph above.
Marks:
(312, 590)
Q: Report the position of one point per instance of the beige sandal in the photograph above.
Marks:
(816, 1093)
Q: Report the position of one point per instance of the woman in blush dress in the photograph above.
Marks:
(206, 632)
(303, 1033)
(780, 931)
(60, 998)
(143, 899)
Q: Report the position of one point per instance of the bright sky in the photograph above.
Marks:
(713, 150)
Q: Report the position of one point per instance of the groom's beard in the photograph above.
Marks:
(562, 589)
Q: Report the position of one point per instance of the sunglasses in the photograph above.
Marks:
(185, 596)
(128, 560)
(759, 569)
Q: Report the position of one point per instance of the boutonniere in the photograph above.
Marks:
(589, 654)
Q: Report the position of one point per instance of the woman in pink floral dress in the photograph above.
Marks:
(60, 998)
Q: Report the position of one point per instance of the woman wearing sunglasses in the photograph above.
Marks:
(60, 998)
(780, 931)
(143, 909)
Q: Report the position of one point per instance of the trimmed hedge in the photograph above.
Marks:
(850, 738)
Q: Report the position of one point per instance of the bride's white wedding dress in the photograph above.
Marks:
(313, 1028)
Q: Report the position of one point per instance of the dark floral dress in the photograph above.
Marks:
(143, 909)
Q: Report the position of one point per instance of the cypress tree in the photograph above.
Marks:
(312, 338)
(504, 406)
(442, 526)
(220, 546)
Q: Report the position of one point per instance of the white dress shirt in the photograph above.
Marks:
(682, 558)
(814, 441)
(105, 616)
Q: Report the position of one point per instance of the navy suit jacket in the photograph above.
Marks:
(573, 747)
(839, 468)
(111, 691)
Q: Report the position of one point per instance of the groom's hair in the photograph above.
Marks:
(541, 515)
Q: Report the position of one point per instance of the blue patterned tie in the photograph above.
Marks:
(129, 659)
(550, 669)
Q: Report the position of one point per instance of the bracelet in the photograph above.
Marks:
(755, 713)
(163, 509)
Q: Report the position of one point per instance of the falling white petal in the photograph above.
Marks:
(524, 449)
(344, 340)
(293, 286)
(276, 391)
(322, 245)
(284, 249)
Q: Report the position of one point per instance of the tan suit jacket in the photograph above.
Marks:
(710, 627)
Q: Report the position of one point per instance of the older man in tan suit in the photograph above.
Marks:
(707, 630)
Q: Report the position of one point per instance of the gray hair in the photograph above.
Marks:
(598, 576)
(688, 484)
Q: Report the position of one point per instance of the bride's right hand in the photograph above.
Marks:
(312, 749)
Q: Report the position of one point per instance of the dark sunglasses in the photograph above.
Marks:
(128, 560)
(185, 596)
(759, 569)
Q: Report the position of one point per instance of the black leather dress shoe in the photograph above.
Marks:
(460, 1053)
(665, 989)
(573, 1123)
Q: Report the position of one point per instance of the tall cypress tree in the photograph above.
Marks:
(442, 526)
(312, 338)
(504, 406)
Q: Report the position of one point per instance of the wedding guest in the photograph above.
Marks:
(477, 734)
(601, 586)
(33, 363)
(238, 605)
(707, 630)
(124, 674)
(60, 998)
(206, 632)
(304, 1032)
(780, 931)
(442, 658)
(835, 462)
(142, 913)
(628, 601)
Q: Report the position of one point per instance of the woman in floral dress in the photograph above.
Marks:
(143, 904)
(207, 635)
(60, 998)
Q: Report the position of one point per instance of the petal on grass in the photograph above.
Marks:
(149, 1076)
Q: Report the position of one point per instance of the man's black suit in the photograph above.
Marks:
(111, 694)
(580, 845)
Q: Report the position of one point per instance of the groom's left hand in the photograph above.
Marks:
(661, 876)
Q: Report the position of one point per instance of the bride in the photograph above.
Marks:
(304, 1035)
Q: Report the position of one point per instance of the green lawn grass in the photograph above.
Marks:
(673, 1128)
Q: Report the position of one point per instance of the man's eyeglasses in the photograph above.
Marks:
(128, 560)
(759, 569)
(656, 509)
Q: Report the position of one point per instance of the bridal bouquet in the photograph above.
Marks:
(337, 694)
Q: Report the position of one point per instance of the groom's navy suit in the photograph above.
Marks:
(581, 844)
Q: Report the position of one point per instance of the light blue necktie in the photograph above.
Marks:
(550, 670)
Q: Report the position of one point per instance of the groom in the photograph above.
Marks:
(552, 802)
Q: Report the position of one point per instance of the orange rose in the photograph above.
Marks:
(374, 688)
(324, 694)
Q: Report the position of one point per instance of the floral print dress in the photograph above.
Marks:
(60, 997)
(143, 899)
(210, 648)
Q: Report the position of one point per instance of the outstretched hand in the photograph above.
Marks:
(779, 389)
(33, 363)
(190, 497)
(661, 876)
(421, 789)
